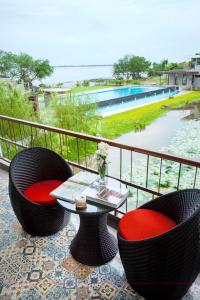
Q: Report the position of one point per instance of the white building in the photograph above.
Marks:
(186, 78)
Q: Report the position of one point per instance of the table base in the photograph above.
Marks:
(93, 245)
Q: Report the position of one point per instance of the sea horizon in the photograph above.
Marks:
(71, 74)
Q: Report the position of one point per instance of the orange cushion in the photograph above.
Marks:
(142, 224)
(39, 192)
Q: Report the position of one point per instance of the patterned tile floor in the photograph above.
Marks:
(33, 268)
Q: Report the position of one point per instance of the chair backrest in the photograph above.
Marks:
(179, 205)
(37, 164)
(163, 267)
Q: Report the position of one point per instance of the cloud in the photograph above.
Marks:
(88, 31)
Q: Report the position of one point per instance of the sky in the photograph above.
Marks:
(100, 31)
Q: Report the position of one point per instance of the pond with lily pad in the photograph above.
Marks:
(177, 133)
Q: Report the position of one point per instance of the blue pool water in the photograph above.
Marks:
(109, 94)
(119, 92)
(114, 108)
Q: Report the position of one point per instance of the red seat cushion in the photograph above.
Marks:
(39, 192)
(142, 224)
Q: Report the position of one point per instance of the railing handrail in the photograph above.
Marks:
(162, 155)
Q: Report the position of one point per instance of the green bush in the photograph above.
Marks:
(14, 102)
(78, 84)
(135, 81)
(59, 85)
(85, 83)
(76, 114)
(116, 82)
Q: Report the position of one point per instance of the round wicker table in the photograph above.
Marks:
(93, 244)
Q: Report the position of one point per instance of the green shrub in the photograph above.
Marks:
(14, 102)
(135, 81)
(116, 82)
(76, 114)
(85, 83)
(59, 85)
(78, 84)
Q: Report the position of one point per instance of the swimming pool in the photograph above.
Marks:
(123, 106)
(108, 94)
(116, 100)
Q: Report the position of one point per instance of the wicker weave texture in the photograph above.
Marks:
(93, 245)
(164, 267)
(30, 166)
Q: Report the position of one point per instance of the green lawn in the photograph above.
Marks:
(135, 119)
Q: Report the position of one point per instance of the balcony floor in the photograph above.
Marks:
(42, 268)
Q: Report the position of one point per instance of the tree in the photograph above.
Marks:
(7, 64)
(138, 65)
(164, 65)
(23, 68)
(175, 66)
(131, 67)
(157, 67)
(121, 69)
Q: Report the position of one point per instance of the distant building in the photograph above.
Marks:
(55, 90)
(49, 92)
(186, 78)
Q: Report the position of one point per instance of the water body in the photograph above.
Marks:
(106, 95)
(123, 106)
(108, 108)
(112, 93)
(72, 74)
(159, 133)
(155, 136)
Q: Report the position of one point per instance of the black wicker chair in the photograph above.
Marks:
(164, 267)
(30, 166)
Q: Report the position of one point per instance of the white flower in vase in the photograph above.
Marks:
(101, 156)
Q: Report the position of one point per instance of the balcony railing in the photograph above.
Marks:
(146, 173)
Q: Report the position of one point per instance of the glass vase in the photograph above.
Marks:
(102, 174)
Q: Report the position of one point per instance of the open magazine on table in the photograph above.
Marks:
(68, 191)
(113, 194)
(84, 178)
(74, 186)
